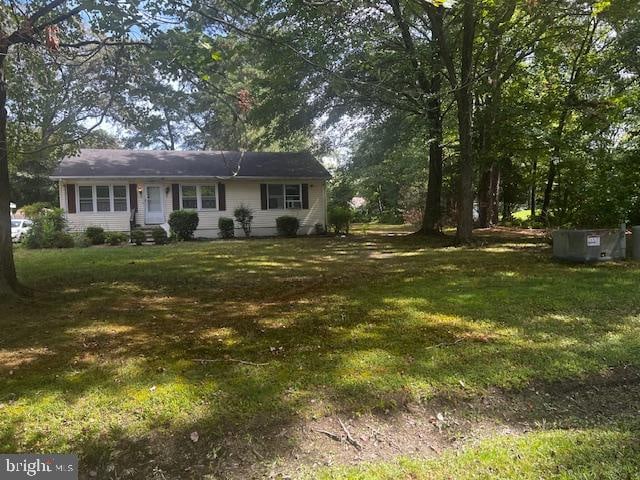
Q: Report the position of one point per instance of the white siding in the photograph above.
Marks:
(238, 192)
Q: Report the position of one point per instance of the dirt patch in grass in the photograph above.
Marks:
(425, 430)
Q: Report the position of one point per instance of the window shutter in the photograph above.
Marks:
(222, 194)
(133, 197)
(305, 196)
(175, 194)
(263, 196)
(71, 198)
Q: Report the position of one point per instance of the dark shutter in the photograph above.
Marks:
(175, 193)
(71, 198)
(305, 196)
(222, 200)
(263, 196)
(133, 197)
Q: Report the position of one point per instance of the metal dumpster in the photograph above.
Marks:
(590, 245)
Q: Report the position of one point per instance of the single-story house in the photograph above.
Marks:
(124, 189)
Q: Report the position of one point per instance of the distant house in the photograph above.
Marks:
(12, 209)
(124, 189)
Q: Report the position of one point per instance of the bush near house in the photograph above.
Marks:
(244, 216)
(116, 238)
(47, 230)
(226, 227)
(81, 240)
(339, 219)
(138, 237)
(287, 225)
(160, 237)
(183, 223)
(95, 235)
(33, 210)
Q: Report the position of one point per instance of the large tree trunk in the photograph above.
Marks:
(553, 166)
(464, 100)
(431, 220)
(8, 279)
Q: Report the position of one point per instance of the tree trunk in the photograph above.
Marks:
(534, 181)
(484, 189)
(8, 279)
(464, 100)
(431, 220)
(553, 166)
(494, 197)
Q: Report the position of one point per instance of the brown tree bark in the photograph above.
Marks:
(432, 218)
(464, 100)
(8, 278)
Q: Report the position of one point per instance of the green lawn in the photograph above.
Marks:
(103, 360)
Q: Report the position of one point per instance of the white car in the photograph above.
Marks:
(19, 228)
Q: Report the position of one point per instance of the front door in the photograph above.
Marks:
(154, 212)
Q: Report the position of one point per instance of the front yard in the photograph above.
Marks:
(240, 358)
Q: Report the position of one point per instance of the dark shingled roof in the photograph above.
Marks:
(162, 163)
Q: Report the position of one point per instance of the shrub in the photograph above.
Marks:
(287, 225)
(95, 235)
(45, 228)
(116, 238)
(183, 223)
(226, 227)
(138, 237)
(62, 240)
(35, 209)
(319, 229)
(81, 240)
(244, 216)
(340, 219)
(159, 236)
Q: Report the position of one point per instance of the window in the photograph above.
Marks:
(119, 198)
(16, 223)
(103, 198)
(275, 193)
(208, 196)
(293, 196)
(189, 197)
(85, 194)
(284, 196)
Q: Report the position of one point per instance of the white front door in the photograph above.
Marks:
(154, 211)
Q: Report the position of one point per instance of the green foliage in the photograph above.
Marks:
(116, 238)
(95, 234)
(35, 209)
(184, 223)
(226, 227)
(339, 219)
(159, 236)
(47, 230)
(81, 240)
(244, 216)
(61, 240)
(138, 237)
(287, 225)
